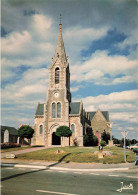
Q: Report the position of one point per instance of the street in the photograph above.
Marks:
(27, 181)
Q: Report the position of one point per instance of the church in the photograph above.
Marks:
(59, 110)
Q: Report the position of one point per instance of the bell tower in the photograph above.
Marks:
(56, 109)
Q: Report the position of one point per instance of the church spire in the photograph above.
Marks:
(60, 50)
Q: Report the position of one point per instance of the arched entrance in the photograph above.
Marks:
(55, 139)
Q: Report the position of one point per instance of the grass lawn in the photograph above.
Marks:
(15, 149)
(79, 154)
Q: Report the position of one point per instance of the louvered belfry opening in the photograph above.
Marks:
(57, 75)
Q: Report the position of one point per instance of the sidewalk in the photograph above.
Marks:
(67, 166)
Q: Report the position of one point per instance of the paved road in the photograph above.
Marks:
(25, 181)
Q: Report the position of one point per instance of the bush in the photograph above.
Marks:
(105, 136)
(95, 140)
(9, 145)
(86, 140)
(103, 143)
(89, 140)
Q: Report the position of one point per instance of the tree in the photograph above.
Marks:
(127, 142)
(103, 143)
(89, 139)
(105, 136)
(63, 131)
(134, 141)
(25, 131)
(95, 140)
(116, 141)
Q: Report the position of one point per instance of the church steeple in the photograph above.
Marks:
(60, 50)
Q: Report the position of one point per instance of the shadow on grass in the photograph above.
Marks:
(47, 168)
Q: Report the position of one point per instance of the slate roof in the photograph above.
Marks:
(40, 110)
(105, 114)
(12, 130)
(74, 107)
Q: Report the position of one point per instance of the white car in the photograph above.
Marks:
(133, 146)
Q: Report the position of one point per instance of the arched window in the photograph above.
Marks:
(73, 128)
(57, 75)
(6, 136)
(53, 110)
(41, 129)
(58, 110)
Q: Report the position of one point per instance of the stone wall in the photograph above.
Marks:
(99, 124)
(38, 139)
(77, 137)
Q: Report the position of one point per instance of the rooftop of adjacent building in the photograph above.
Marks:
(12, 130)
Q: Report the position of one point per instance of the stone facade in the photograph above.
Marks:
(59, 110)
(99, 122)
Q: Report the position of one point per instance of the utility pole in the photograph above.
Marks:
(124, 133)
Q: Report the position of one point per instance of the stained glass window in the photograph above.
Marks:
(73, 128)
(41, 129)
(53, 110)
(58, 110)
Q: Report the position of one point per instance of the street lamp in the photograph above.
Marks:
(124, 133)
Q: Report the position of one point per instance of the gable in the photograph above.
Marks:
(104, 113)
(91, 114)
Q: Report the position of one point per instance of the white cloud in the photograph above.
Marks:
(113, 100)
(41, 24)
(79, 38)
(100, 65)
(30, 88)
(124, 116)
(16, 43)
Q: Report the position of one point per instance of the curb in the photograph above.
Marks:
(62, 168)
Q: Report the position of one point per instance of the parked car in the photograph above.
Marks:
(135, 150)
(135, 146)
(131, 147)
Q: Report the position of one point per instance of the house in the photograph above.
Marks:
(9, 134)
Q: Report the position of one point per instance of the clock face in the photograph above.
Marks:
(56, 95)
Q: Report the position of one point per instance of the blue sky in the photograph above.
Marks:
(100, 38)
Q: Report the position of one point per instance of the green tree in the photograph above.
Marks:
(116, 141)
(95, 140)
(105, 136)
(25, 131)
(127, 142)
(89, 139)
(103, 143)
(133, 141)
(63, 131)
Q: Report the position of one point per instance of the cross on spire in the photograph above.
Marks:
(60, 21)
(60, 18)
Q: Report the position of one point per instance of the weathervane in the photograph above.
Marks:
(60, 21)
